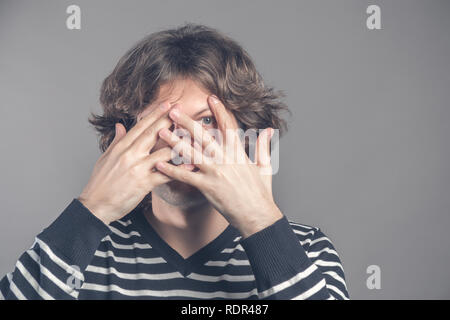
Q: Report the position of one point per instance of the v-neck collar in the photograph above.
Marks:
(188, 265)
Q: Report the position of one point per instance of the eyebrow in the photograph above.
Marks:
(201, 111)
(206, 108)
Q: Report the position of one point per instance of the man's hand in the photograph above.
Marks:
(236, 189)
(125, 174)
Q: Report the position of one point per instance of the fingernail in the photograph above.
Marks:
(164, 132)
(174, 113)
(214, 99)
(161, 165)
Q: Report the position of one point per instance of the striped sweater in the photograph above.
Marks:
(80, 257)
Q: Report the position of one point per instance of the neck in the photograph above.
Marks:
(186, 230)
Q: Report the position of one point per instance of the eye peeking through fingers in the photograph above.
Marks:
(208, 121)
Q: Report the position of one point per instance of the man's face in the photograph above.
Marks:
(192, 100)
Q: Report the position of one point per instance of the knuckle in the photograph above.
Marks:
(184, 175)
(139, 126)
(217, 173)
(161, 154)
(126, 158)
(149, 131)
(165, 122)
(135, 171)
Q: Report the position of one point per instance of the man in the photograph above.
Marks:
(145, 227)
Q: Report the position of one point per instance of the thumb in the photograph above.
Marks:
(120, 132)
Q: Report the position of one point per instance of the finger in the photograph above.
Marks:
(197, 146)
(263, 148)
(163, 154)
(185, 149)
(147, 140)
(145, 122)
(149, 162)
(225, 119)
(228, 126)
(157, 178)
(180, 174)
(195, 129)
(119, 133)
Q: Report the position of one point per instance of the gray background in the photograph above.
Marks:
(367, 157)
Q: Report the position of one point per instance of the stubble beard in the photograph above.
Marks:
(175, 193)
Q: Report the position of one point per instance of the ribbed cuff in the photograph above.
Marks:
(275, 254)
(76, 234)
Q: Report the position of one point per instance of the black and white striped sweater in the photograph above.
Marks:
(79, 257)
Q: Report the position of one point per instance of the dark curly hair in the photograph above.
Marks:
(191, 51)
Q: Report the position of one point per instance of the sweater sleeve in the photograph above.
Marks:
(285, 271)
(54, 265)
